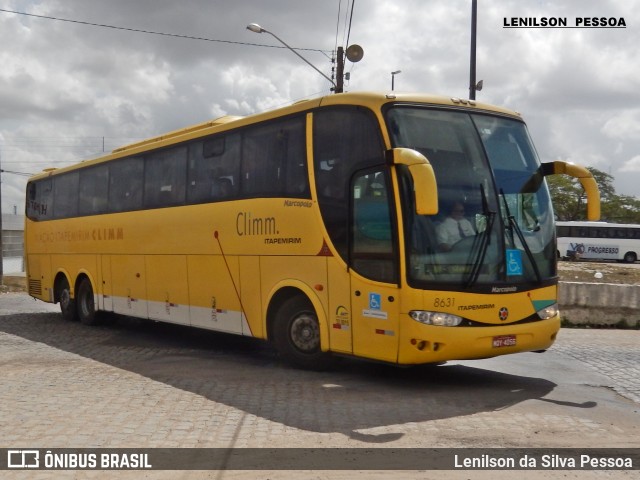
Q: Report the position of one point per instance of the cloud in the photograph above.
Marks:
(623, 126)
(632, 165)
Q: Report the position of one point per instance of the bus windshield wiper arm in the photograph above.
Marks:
(515, 227)
(484, 241)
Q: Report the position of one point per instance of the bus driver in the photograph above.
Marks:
(454, 228)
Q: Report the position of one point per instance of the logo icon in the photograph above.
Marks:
(23, 459)
(503, 313)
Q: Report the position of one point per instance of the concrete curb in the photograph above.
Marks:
(602, 304)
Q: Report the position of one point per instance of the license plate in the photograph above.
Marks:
(504, 341)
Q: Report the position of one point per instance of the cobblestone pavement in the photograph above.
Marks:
(613, 353)
(142, 385)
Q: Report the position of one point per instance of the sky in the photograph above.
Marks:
(69, 91)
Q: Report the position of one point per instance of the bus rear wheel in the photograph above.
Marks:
(630, 257)
(67, 304)
(297, 335)
(86, 303)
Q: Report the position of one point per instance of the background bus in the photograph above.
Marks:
(318, 227)
(598, 241)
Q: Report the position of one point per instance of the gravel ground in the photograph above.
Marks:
(588, 272)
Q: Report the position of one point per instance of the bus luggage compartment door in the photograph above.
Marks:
(375, 309)
(129, 289)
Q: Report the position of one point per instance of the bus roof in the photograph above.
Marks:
(373, 100)
(584, 223)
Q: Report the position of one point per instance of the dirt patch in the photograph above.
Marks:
(13, 284)
(599, 272)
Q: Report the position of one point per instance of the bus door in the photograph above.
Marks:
(375, 302)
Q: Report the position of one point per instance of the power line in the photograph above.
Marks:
(151, 32)
(350, 20)
(24, 174)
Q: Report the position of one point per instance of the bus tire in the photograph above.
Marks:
(297, 335)
(630, 257)
(67, 304)
(85, 303)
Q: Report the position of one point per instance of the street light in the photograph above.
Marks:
(393, 76)
(254, 27)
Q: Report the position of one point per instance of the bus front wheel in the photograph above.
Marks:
(86, 303)
(297, 335)
(67, 304)
(630, 257)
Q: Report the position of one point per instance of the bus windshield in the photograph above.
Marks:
(495, 224)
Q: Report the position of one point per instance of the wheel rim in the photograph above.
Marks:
(305, 334)
(65, 298)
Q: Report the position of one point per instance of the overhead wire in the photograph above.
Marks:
(350, 21)
(23, 174)
(151, 32)
(346, 33)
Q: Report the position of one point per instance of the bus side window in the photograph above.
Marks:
(125, 184)
(65, 195)
(345, 139)
(296, 177)
(165, 177)
(274, 161)
(372, 249)
(213, 169)
(39, 201)
(94, 188)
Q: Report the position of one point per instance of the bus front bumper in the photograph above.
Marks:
(432, 344)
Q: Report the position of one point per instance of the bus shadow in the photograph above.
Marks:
(246, 374)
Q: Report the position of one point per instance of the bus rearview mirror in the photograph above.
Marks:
(424, 178)
(585, 178)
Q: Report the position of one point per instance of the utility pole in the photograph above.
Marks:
(339, 88)
(472, 67)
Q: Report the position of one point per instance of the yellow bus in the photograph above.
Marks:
(406, 229)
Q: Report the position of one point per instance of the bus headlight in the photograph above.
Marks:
(435, 318)
(548, 312)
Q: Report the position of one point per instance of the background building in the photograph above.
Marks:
(12, 243)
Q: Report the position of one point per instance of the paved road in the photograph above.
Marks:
(139, 384)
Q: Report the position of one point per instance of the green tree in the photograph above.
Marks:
(622, 209)
(567, 196)
(569, 199)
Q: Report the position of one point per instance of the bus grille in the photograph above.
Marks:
(35, 287)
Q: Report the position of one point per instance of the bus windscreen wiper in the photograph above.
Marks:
(513, 225)
(484, 241)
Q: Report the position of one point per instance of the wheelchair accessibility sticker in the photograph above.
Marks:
(375, 307)
(514, 262)
(374, 301)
